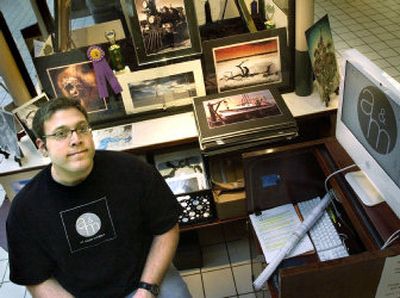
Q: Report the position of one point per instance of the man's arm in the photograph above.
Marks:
(161, 253)
(49, 289)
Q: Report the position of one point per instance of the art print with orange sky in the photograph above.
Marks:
(247, 64)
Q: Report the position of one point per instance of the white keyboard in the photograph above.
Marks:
(323, 234)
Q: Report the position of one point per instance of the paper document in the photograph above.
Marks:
(274, 227)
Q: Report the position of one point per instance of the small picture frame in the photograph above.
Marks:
(25, 113)
(247, 60)
(183, 170)
(242, 116)
(163, 30)
(77, 81)
(8, 136)
(114, 138)
(162, 87)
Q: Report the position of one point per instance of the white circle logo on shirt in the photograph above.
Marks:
(88, 224)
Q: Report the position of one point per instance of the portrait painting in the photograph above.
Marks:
(163, 25)
(27, 111)
(239, 108)
(163, 87)
(77, 81)
(8, 136)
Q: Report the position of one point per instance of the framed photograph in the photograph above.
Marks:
(27, 111)
(162, 87)
(247, 60)
(71, 74)
(77, 81)
(163, 29)
(242, 116)
(8, 136)
(323, 58)
(114, 138)
(182, 170)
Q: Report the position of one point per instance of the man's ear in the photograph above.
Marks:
(42, 147)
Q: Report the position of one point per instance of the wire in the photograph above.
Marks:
(391, 239)
(333, 174)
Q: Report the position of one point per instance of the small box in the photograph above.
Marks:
(230, 203)
(228, 186)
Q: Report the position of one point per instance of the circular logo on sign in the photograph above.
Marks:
(88, 224)
(377, 119)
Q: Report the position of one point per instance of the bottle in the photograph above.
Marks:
(114, 50)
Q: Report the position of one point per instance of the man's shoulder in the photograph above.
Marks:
(118, 158)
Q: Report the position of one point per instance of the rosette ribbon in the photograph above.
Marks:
(103, 71)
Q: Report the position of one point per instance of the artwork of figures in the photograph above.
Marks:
(239, 108)
(247, 64)
(27, 111)
(323, 59)
(77, 81)
(163, 25)
(8, 136)
(114, 138)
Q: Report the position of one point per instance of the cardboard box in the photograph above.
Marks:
(228, 186)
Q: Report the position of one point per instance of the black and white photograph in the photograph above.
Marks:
(246, 60)
(167, 86)
(164, 29)
(77, 81)
(8, 136)
(27, 111)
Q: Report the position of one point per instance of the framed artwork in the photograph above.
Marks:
(114, 138)
(162, 87)
(182, 170)
(242, 116)
(27, 111)
(323, 58)
(163, 29)
(71, 74)
(8, 136)
(247, 60)
(77, 81)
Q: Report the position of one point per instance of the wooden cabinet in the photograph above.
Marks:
(303, 168)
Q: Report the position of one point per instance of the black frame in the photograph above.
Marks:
(145, 58)
(243, 39)
(241, 128)
(115, 108)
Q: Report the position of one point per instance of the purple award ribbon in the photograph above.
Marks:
(103, 71)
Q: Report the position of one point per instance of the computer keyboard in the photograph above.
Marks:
(323, 234)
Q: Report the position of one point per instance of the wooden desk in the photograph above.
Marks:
(303, 167)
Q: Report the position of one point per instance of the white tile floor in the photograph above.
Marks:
(368, 25)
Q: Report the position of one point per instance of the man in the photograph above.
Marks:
(92, 223)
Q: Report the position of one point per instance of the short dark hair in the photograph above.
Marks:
(49, 108)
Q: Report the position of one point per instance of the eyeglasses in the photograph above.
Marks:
(66, 133)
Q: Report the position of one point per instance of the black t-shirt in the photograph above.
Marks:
(94, 237)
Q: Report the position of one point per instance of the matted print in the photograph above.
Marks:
(164, 29)
(162, 87)
(77, 81)
(239, 108)
(27, 111)
(8, 135)
(247, 60)
(114, 138)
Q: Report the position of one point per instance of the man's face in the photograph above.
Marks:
(72, 157)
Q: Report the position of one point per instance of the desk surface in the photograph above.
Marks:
(169, 129)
